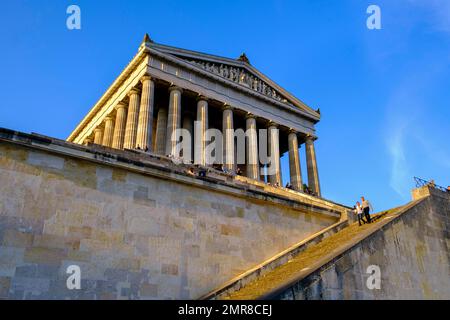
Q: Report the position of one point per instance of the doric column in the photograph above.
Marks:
(132, 120)
(145, 123)
(98, 135)
(311, 164)
(87, 141)
(173, 120)
(294, 162)
(161, 128)
(200, 131)
(252, 148)
(109, 131)
(274, 171)
(228, 138)
(119, 127)
(188, 124)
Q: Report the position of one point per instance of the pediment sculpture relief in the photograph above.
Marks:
(241, 76)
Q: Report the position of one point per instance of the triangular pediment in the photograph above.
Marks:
(237, 71)
(241, 76)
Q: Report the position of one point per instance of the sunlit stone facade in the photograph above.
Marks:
(165, 88)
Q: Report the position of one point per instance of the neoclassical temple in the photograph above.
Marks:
(164, 88)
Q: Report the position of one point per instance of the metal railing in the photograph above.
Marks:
(422, 183)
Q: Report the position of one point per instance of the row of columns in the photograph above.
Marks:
(132, 125)
(132, 128)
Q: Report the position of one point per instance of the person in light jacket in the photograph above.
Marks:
(367, 207)
(359, 213)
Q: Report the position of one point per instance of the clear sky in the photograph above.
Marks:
(384, 94)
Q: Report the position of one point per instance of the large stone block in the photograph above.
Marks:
(41, 255)
(169, 269)
(26, 271)
(143, 226)
(54, 241)
(5, 283)
(45, 160)
(141, 196)
(30, 287)
(230, 230)
(10, 258)
(13, 238)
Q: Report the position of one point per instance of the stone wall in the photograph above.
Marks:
(412, 252)
(134, 235)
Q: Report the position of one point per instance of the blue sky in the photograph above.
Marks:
(384, 94)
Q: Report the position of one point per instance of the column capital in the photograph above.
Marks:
(272, 124)
(250, 116)
(173, 87)
(310, 138)
(226, 106)
(297, 134)
(121, 104)
(146, 77)
(202, 98)
(109, 118)
(98, 129)
(134, 91)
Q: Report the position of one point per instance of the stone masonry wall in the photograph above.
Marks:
(412, 253)
(134, 236)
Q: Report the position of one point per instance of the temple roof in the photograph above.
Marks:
(237, 70)
(238, 73)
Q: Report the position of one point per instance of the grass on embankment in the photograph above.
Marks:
(288, 271)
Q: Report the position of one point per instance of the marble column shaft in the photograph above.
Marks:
(311, 163)
(109, 131)
(119, 127)
(87, 141)
(132, 120)
(98, 136)
(294, 162)
(252, 148)
(161, 128)
(200, 138)
(173, 120)
(274, 147)
(145, 122)
(228, 138)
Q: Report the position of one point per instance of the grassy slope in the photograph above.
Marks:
(291, 269)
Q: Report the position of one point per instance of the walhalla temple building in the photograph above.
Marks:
(138, 205)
